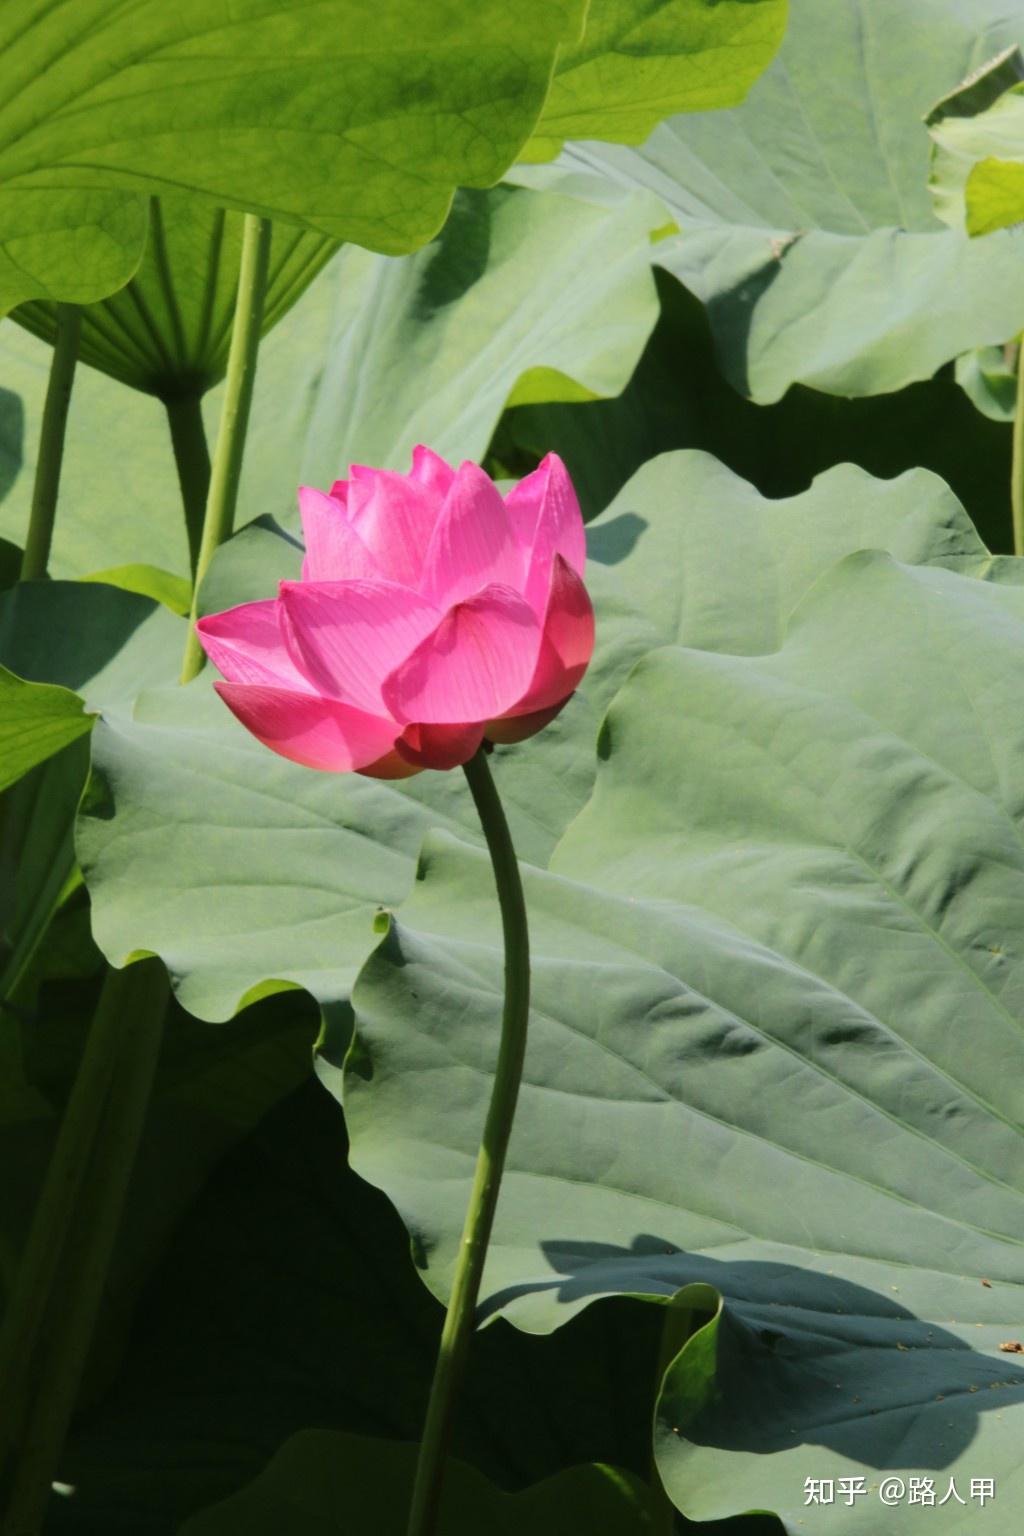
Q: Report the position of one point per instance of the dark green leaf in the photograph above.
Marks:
(320, 1483)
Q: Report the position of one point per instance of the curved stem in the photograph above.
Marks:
(460, 1319)
(51, 443)
(1017, 466)
(192, 459)
(241, 375)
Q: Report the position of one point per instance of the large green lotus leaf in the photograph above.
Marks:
(806, 224)
(791, 901)
(526, 295)
(167, 332)
(320, 1483)
(240, 868)
(320, 114)
(639, 62)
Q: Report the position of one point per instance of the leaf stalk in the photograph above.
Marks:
(46, 486)
(192, 461)
(241, 376)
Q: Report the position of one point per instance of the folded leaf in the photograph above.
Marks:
(36, 720)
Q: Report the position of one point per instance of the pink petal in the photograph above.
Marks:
(247, 646)
(317, 732)
(567, 641)
(431, 470)
(394, 516)
(439, 746)
(391, 766)
(346, 636)
(334, 551)
(512, 728)
(566, 646)
(475, 665)
(546, 515)
(472, 545)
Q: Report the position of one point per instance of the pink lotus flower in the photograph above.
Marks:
(431, 614)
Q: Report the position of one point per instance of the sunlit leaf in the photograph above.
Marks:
(641, 60)
(318, 114)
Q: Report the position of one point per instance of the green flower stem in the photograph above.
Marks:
(192, 458)
(51, 443)
(60, 1281)
(1017, 467)
(460, 1319)
(241, 375)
